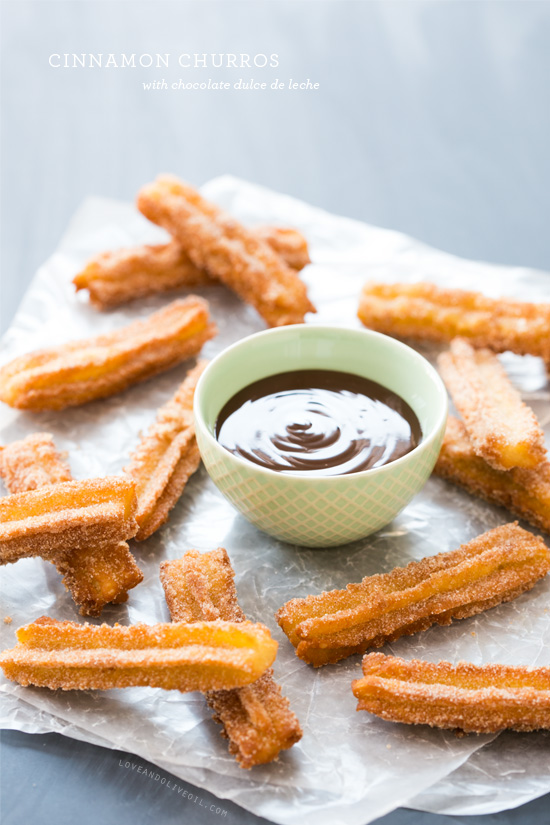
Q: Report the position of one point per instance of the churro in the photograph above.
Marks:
(175, 656)
(495, 567)
(257, 719)
(463, 697)
(84, 370)
(526, 493)
(503, 430)
(120, 276)
(94, 575)
(219, 244)
(431, 313)
(166, 457)
(66, 516)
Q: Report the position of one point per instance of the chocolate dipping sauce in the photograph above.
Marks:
(325, 421)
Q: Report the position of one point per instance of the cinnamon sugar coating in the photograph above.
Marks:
(495, 567)
(503, 430)
(173, 656)
(526, 493)
(463, 697)
(430, 313)
(94, 574)
(117, 277)
(63, 517)
(92, 368)
(256, 719)
(166, 457)
(221, 246)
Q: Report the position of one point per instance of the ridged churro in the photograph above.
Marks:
(173, 656)
(464, 697)
(166, 457)
(526, 493)
(257, 719)
(431, 313)
(503, 430)
(95, 574)
(66, 516)
(219, 244)
(492, 568)
(120, 276)
(84, 370)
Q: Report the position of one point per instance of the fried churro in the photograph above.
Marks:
(431, 313)
(526, 493)
(464, 697)
(257, 719)
(114, 278)
(67, 516)
(166, 457)
(217, 243)
(503, 430)
(94, 575)
(84, 370)
(495, 567)
(175, 656)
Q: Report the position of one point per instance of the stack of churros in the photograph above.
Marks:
(96, 573)
(229, 252)
(208, 246)
(123, 275)
(256, 719)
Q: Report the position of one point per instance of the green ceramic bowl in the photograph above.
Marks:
(309, 509)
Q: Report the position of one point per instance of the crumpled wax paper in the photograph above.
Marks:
(349, 768)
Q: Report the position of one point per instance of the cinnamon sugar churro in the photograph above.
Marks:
(173, 656)
(166, 457)
(66, 516)
(431, 313)
(82, 371)
(120, 276)
(465, 697)
(256, 719)
(217, 243)
(492, 568)
(503, 430)
(526, 493)
(94, 574)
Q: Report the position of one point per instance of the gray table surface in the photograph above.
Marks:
(431, 118)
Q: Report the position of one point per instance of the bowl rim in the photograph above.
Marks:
(311, 475)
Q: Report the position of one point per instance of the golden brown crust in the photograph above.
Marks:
(466, 697)
(117, 277)
(503, 430)
(166, 457)
(67, 516)
(526, 493)
(431, 313)
(257, 719)
(123, 275)
(217, 243)
(493, 568)
(172, 656)
(95, 574)
(88, 369)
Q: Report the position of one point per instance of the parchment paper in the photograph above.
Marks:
(349, 768)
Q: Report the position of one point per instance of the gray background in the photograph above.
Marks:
(431, 118)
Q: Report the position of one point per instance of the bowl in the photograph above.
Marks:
(306, 508)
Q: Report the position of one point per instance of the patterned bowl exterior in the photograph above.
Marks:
(305, 509)
(297, 511)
